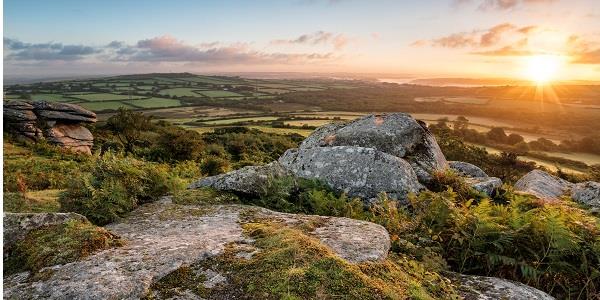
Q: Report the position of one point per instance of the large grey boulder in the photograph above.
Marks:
(161, 237)
(58, 123)
(18, 225)
(543, 185)
(491, 288)
(587, 193)
(397, 134)
(466, 169)
(252, 180)
(357, 171)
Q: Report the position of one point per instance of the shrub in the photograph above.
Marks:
(177, 144)
(114, 186)
(213, 165)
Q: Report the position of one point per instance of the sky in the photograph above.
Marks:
(425, 38)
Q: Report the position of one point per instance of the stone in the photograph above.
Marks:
(356, 171)
(61, 123)
(18, 225)
(486, 185)
(63, 111)
(466, 169)
(160, 237)
(251, 180)
(71, 136)
(492, 288)
(587, 193)
(543, 185)
(397, 134)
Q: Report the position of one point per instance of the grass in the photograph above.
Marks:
(105, 97)
(58, 244)
(203, 196)
(207, 80)
(51, 98)
(218, 94)
(154, 102)
(293, 265)
(308, 122)
(236, 120)
(99, 106)
(180, 92)
(274, 91)
(32, 201)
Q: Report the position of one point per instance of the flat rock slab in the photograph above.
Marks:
(161, 237)
(492, 288)
(543, 185)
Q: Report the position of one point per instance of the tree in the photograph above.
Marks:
(514, 138)
(128, 126)
(461, 123)
(497, 134)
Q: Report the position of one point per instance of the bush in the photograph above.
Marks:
(114, 186)
(213, 165)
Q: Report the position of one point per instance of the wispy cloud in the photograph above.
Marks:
(338, 41)
(18, 50)
(487, 5)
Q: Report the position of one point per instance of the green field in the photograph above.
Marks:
(51, 98)
(219, 94)
(105, 97)
(154, 103)
(273, 91)
(180, 92)
(104, 105)
(237, 120)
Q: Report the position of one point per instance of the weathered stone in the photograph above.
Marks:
(466, 169)
(63, 111)
(492, 288)
(250, 180)
(17, 225)
(397, 134)
(161, 237)
(543, 185)
(587, 193)
(486, 185)
(18, 115)
(357, 171)
(61, 123)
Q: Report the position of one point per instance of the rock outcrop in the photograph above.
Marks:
(251, 180)
(58, 123)
(492, 288)
(397, 134)
(549, 187)
(161, 237)
(357, 171)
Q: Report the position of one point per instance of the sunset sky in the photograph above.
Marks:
(454, 38)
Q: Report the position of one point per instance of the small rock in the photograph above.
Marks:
(587, 193)
(486, 185)
(543, 185)
(466, 169)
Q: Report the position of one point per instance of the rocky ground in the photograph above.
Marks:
(162, 237)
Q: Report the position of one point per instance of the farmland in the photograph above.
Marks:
(203, 103)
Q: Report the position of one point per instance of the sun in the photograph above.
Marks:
(543, 68)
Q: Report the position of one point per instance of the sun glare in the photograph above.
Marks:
(543, 68)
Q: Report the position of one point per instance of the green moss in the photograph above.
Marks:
(58, 244)
(182, 279)
(293, 265)
(203, 196)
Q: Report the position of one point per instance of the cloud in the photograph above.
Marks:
(583, 51)
(161, 49)
(455, 40)
(499, 5)
(505, 51)
(338, 41)
(494, 34)
(18, 50)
